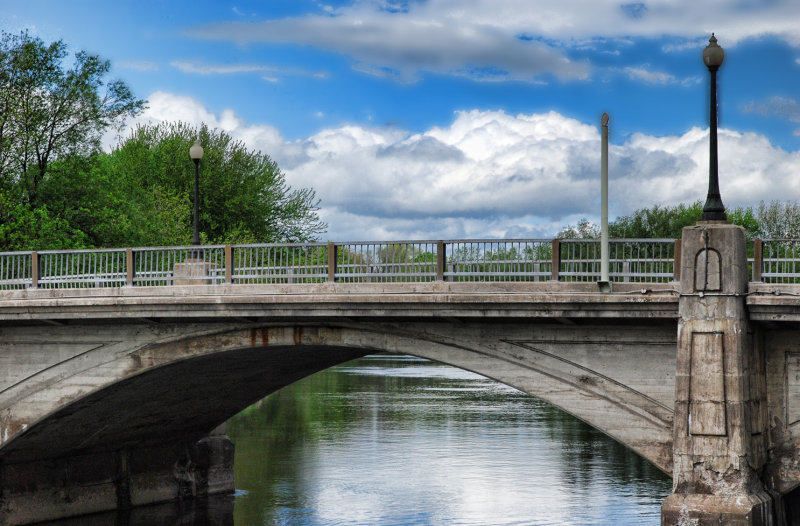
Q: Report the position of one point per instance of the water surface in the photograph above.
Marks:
(395, 440)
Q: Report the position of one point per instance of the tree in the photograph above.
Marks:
(49, 111)
(22, 228)
(778, 220)
(666, 222)
(585, 229)
(244, 197)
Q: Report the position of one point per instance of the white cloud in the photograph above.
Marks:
(491, 174)
(506, 39)
(202, 68)
(138, 65)
(403, 44)
(776, 106)
(648, 75)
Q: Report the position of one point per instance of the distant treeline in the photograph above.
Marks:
(766, 220)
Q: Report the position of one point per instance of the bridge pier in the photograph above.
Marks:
(115, 480)
(719, 447)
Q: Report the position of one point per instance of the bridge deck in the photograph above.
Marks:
(328, 300)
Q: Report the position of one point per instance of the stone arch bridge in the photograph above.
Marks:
(112, 397)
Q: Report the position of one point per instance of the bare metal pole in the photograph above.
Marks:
(196, 233)
(604, 199)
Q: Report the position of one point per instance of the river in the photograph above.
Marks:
(397, 440)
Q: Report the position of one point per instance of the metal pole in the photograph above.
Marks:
(196, 237)
(713, 210)
(604, 199)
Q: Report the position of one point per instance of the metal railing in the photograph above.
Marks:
(776, 260)
(484, 260)
(630, 260)
(278, 263)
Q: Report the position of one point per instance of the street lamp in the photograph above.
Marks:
(713, 210)
(196, 153)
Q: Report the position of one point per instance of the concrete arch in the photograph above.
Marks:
(173, 386)
(242, 365)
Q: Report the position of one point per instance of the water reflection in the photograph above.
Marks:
(392, 440)
(398, 440)
(212, 511)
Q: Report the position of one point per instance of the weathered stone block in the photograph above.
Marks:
(754, 509)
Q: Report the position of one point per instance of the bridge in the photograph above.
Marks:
(118, 368)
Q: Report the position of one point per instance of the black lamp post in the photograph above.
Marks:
(196, 153)
(713, 210)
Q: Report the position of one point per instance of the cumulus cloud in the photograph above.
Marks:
(504, 40)
(492, 174)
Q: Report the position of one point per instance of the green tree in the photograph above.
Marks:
(778, 219)
(665, 222)
(244, 197)
(23, 228)
(49, 110)
(585, 229)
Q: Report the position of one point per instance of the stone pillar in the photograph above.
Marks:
(719, 436)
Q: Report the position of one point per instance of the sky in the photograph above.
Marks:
(451, 119)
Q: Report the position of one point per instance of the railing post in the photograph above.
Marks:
(758, 259)
(228, 264)
(556, 260)
(130, 268)
(441, 258)
(35, 273)
(676, 261)
(332, 256)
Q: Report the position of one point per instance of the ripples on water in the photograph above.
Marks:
(397, 440)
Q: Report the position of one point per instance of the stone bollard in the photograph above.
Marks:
(719, 428)
(193, 271)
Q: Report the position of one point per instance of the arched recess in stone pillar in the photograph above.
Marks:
(708, 271)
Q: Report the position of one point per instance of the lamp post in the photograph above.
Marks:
(713, 210)
(196, 153)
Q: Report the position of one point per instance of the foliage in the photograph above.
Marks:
(585, 229)
(49, 111)
(778, 219)
(656, 222)
(22, 227)
(244, 197)
(666, 222)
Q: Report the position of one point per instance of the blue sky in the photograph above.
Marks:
(450, 118)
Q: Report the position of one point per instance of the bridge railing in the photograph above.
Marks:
(776, 260)
(631, 260)
(278, 263)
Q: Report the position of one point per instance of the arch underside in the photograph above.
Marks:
(180, 386)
